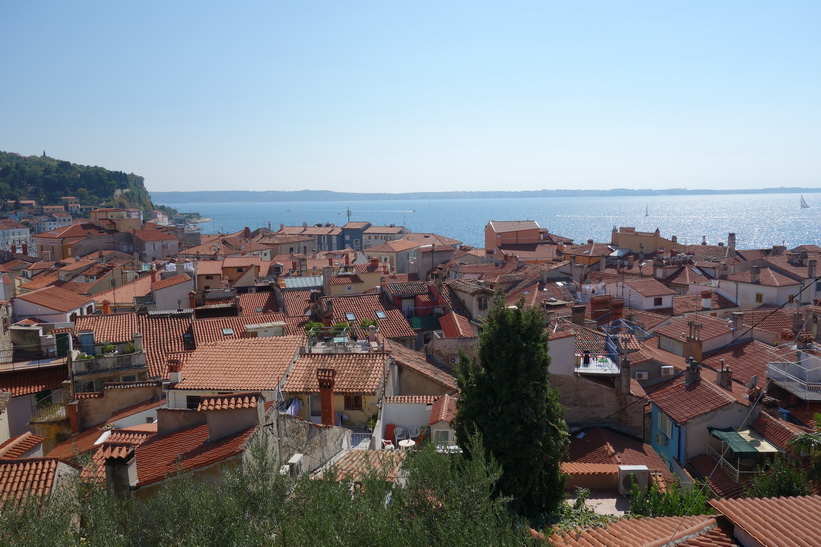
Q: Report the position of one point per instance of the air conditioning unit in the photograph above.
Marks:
(642, 375)
(295, 465)
(629, 474)
(668, 370)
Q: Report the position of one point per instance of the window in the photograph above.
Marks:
(356, 243)
(657, 301)
(482, 303)
(239, 270)
(227, 332)
(353, 402)
(665, 424)
(441, 437)
(350, 316)
(759, 298)
(381, 315)
(791, 299)
(818, 287)
(209, 277)
(192, 402)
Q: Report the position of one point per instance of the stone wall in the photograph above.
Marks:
(316, 442)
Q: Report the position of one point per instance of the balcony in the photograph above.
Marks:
(599, 365)
(796, 379)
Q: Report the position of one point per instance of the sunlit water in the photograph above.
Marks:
(758, 220)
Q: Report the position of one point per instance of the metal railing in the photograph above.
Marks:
(778, 372)
(727, 466)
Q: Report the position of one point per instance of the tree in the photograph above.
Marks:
(781, 479)
(810, 444)
(506, 397)
(672, 502)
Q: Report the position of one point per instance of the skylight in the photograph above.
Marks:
(350, 316)
(227, 332)
(381, 315)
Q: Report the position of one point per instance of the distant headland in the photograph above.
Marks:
(327, 195)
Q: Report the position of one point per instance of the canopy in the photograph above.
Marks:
(744, 442)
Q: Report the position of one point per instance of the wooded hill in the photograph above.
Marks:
(46, 180)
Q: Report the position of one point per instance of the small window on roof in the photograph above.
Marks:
(227, 332)
(258, 310)
(381, 315)
(350, 316)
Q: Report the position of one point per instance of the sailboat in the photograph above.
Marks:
(804, 204)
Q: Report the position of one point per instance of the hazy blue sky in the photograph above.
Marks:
(398, 96)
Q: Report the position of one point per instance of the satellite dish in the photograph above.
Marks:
(753, 382)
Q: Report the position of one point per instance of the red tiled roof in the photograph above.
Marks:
(184, 450)
(55, 298)
(211, 330)
(775, 521)
(365, 306)
(456, 326)
(347, 279)
(229, 402)
(413, 287)
(256, 303)
(153, 235)
(161, 337)
(711, 327)
(250, 364)
(416, 362)
(411, 399)
(356, 373)
(692, 303)
(501, 226)
(683, 403)
(116, 328)
(638, 531)
(605, 446)
(296, 303)
(17, 446)
(745, 359)
(79, 230)
(170, 282)
(577, 468)
(767, 319)
(241, 261)
(444, 409)
(649, 287)
(125, 293)
(358, 464)
(767, 277)
(26, 382)
(208, 267)
(28, 477)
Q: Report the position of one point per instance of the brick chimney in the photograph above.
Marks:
(327, 274)
(754, 273)
(327, 379)
(26, 250)
(153, 276)
(106, 307)
(73, 411)
(246, 233)
(724, 377)
(616, 308)
(693, 373)
(577, 314)
(192, 300)
(693, 343)
(174, 371)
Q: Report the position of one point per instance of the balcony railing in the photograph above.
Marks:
(597, 364)
(732, 470)
(798, 386)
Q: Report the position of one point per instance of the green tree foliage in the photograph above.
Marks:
(810, 444)
(441, 499)
(47, 180)
(506, 397)
(672, 502)
(782, 478)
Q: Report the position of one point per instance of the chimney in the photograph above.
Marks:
(246, 233)
(577, 314)
(706, 300)
(327, 379)
(590, 242)
(624, 375)
(153, 276)
(616, 309)
(630, 262)
(13, 249)
(693, 343)
(693, 373)
(704, 240)
(674, 239)
(25, 249)
(174, 371)
(106, 307)
(330, 261)
(120, 469)
(327, 274)
(724, 377)
(754, 273)
(737, 319)
(192, 299)
(347, 259)
(73, 411)
(138, 342)
(372, 333)
(797, 322)
(603, 261)
(811, 267)
(731, 241)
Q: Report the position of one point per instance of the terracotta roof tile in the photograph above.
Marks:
(767, 277)
(26, 382)
(711, 327)
(775, 521)
(356, 373)
(600, 445)
(745, 359)
(125, 293)
(18, 446)
(355, 465)
(576, 468)
(683, 403)
(185, 450)
(256, 303)
(411, 399)
(415, 287)
(444, 409)
(365, 306)
(416, 362)
(720, 482)
(456, 326)
(116, 328)
(170, 282)
(213, 330)
(501, 226)
(250, 364)
(638, 531)
(229, 402)
(777, 431)
(345, 279)
(55, 298)
(161, 337)
(692, 303)
(154, 235)
(28, 477)
(296, 303)
(768, 319)
(649, 287)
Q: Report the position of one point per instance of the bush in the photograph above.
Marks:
(672, 502)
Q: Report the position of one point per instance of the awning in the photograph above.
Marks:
(744, 442)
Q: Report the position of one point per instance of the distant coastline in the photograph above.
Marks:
(241, 196)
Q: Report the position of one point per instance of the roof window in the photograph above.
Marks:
(381, 315)
(350, 316)
(227, 332)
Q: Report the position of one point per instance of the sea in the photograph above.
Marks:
(758, 220)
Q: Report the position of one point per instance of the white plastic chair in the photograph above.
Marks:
(413, 431)
(387, 445)
(399, 434)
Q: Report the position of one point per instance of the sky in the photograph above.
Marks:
(419, 96)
